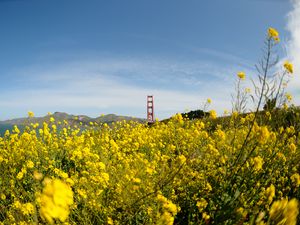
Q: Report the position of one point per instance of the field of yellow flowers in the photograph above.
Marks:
(239, 169)
(182, 172)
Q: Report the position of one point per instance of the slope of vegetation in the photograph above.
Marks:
(182, 171)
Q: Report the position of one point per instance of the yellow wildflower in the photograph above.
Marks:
(178, 117)
(30, 164)
(165, 219)
(167, 204)
(17, 204)
(277, 39)
(20, 175)
(201, 204)
(37, 175)
(82, 193)
(136, 180)
(259, 219)
(27, 209)
(205, 216)
(288, 66)
(2, 196)
(295, 178)
(264, 135)
(247, 90)
(30, 114)
(270, 193)
(182, 159)
(284, 212)
(289, 97)
(292, 147)
(273, 33)
(258, 163)
(242, 212)
(110, 221)
(241, 75)
(208, 101)
(213, 114)
(169, 211)
(55, 200)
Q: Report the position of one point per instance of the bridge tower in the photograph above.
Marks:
(150, 109)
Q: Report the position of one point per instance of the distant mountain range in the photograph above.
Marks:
(82, 120)
(71, 119)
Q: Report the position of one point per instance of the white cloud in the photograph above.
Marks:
(118, 86)
(293, 25)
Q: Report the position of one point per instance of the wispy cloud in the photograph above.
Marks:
(225, 57)
(118, 86)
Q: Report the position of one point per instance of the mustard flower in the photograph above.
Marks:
(273, 33)
(30, 164)
(37, 175)
(205, 216)
(20, 175)
(258, 163)
(295, 178)
(241, 211)
(110, 221)
(27, 209)
(270, 193)
(284, 212)
(201, 204)
(241, 75)
(264, 135)
(55, 200)
(30, 114)
(288, 66)
(213, 114)
(292, 147)
(2, 196)
(289, 97)
(182, 159)
(247, 90)
(166, 219)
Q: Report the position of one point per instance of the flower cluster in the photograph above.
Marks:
(55, 200)
(273, 33)
(288, 66)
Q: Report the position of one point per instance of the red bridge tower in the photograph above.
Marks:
(150, 109)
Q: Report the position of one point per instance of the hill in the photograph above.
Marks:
(79, 120)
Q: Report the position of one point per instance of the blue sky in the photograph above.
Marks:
(96, 56)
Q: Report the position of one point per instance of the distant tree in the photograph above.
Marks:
(270, 104)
